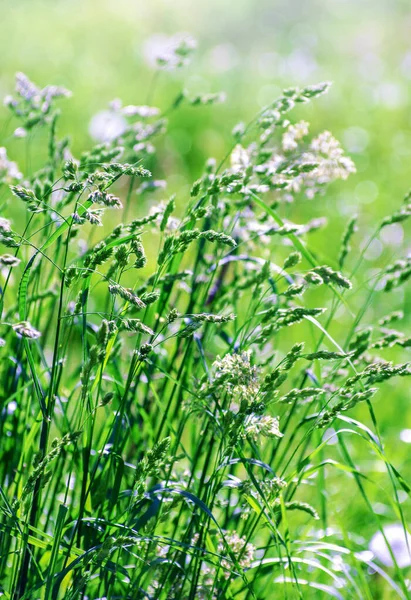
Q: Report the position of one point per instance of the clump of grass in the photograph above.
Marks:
(185, 365)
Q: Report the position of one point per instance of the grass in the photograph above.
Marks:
(168, 379)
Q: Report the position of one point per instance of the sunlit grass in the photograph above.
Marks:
(188, 395)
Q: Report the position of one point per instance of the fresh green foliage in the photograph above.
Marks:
(165, 382)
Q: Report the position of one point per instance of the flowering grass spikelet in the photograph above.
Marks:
(24, 329)
(195, 441)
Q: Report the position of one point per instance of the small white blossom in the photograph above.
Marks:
(236, 371)
(326, 154)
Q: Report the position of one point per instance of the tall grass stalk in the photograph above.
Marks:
(183, 415)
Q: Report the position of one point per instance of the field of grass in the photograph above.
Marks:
(204, 335)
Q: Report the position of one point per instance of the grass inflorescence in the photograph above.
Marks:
(167, 378)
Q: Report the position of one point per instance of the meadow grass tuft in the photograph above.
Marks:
(168, 369)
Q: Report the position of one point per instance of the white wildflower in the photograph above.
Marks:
(37, 99)
(270, 167)
(399, 542)
(54, 91)
(93, 216)
(326, 144)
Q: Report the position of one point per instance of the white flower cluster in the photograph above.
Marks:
(331, 164)
(293, 134)
(239, 158)
(237, 375)
(256, 426)
(238, 546)
(242, 550)
(334, 164)
(297, 166)
(235, 366)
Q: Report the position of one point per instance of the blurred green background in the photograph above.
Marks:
(100, 49)
(251, 49)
